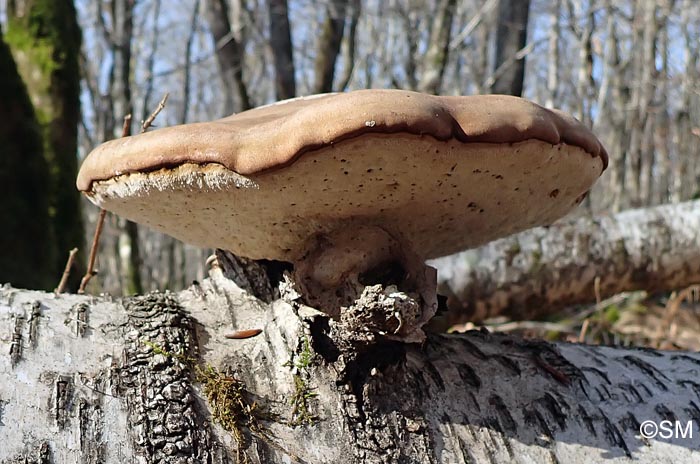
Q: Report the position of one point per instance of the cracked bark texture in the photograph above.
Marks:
(540, 271)
(102, 380)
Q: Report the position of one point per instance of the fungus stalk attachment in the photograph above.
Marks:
(350, 264)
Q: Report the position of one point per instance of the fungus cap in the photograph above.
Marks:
(440, 174)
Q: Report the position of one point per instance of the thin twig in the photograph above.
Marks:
(90, 272)
(147, 123)
(598, 307)
(93, 252)
(584, 330)
(596, 290)
(66, 271)
(126, 127)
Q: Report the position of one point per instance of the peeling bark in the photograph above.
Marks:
(542, 270)
(125, 389)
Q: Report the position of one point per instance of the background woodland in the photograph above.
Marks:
(71, 71)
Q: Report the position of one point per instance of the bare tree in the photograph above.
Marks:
(281, 46)
(511, 36)
(229, 55)
(350, 40)
(584, 76)
(328, 45)
(553, 58)
(662, 136)
(119, 38)
(438, 48)
(685, 172)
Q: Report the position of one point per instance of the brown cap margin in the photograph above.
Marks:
(275, 135)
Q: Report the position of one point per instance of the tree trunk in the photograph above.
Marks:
(437, 53)
(355, 8)
(542, 270)
(44, 37)
(584, 79)
(511, 36)
(26, 243)
(661, 181)
(281, 46)
(610, 119)
(145, 379)
(649, 82)
(329, 40)
(229, 55)
(553, 55)
(685, 184)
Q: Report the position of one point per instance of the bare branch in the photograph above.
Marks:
(147, 123)
(66, 272)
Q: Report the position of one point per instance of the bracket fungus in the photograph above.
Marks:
(355, 189)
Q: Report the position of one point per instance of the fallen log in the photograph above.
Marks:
(157, 379)
(542, 270)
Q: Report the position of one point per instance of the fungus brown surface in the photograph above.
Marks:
(343, 184)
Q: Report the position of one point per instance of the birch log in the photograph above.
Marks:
(97, 380)
(542, 270)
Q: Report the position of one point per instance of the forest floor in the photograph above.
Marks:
(634, 319)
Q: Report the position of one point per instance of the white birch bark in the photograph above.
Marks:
(542, 270)
(96, 380)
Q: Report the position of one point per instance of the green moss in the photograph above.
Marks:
(303, 361)
(303, 393)
(157, 349)
(301, 413)
(611, 314)
(229, 405)
(36, 66)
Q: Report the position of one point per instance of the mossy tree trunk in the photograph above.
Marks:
(45, 38)
(26, 242)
